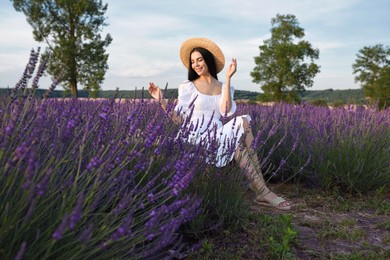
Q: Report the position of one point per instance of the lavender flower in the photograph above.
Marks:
(294, 147)
(86, 235)
(42, 186)
(94, 163)
(151, 197)
(183, 183)
(20, 152)
(272, 131)
(70, 125)
(14, 117)
(77, 212)
(41, 69)
(124, 229)
(31, 167)
(57, 235)
(22, 249)
(157, 130)
(29, 70)
(282, 163)
(53, 85)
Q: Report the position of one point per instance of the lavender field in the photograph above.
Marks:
(114, 178)
(85, 178)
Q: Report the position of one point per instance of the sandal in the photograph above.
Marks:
(276, 202)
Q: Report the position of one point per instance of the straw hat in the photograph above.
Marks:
(188, 45)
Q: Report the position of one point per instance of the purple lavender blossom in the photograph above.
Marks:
(22, 249)
(281, 164)
(29, 70)
(77, 212)
(86, 234)
(124, 229)
(57, 235)
(294, 147)
(70, 125)
(123, 203)
(31, 167)
(150, 197)
(153, 134)
(41, 69)
(14, 117)
(183, 183)
(42, 186)
(94, 163)
(53, 85)
(182, 169)
(272, 131)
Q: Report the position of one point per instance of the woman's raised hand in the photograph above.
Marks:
(232, 68)
(155, 91)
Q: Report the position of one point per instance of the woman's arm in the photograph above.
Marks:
(157, 94)
(227, 98)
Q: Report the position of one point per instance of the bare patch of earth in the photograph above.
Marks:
(332, 227)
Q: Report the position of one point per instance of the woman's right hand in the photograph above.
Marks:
(155, 91)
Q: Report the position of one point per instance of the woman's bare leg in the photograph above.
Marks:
(248, 160)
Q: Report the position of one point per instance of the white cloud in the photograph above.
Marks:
(327, 45)
(144, 24)
(142, 70)
(264, 10)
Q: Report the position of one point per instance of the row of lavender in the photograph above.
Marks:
(92, 178)
(345, 149)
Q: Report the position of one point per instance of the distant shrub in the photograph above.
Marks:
(338, 103)
(319, 103)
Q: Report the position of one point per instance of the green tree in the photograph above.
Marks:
(372, 70)
(72, 29)
(285, 66)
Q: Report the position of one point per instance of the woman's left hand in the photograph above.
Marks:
(232, 68)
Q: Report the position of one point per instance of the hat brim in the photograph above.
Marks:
(192, 43)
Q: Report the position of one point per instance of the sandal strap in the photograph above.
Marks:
(277, 201)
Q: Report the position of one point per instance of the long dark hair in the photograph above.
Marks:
(210, 62)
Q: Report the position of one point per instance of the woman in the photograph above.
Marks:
(204, 100)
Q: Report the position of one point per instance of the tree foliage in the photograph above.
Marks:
(372, 69)
(72, 29)
(285, 66)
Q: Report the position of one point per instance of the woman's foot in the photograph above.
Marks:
(266, 197)
(271, 199)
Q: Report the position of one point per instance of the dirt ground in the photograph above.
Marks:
(334, 227)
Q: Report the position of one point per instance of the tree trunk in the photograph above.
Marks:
(73, 88)
(72, 52)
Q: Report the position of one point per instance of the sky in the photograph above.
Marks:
(147, 36)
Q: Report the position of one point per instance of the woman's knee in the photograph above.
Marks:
(245, 123)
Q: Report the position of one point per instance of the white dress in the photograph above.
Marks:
(204, 122)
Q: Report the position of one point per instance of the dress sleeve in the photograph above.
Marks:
(234, 106)
(184, 97)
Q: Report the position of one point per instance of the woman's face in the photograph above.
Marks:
(198, 64)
